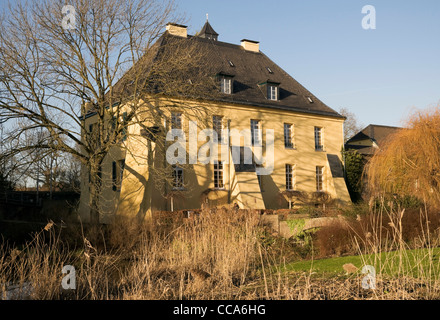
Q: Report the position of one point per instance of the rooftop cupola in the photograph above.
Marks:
(208, 32)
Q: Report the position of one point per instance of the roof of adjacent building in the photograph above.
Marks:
(374, 132)
(250, 71)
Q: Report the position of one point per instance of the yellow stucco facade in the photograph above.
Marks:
(140, 195)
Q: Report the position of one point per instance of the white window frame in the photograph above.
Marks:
(217, 125)
(218, 175)
(319, 178)
(255, 132)
(272, 92)
(226, 85)
(289, 136)
(319, 138)
(290, 177)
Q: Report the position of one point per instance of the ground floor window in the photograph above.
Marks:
(319, 178)
(177, 178)
(290, 177)
(218, 175)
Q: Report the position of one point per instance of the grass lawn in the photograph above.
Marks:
(416, 263)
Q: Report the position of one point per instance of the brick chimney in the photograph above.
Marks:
(177, 30)
(250, 45)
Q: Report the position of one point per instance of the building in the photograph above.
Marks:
(368, 140)
(254, 95)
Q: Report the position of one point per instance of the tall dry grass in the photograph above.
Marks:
(221, 255)
(208, 256)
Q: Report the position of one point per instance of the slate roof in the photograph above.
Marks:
(373, 132)
(376, 133)
(249, 70)
(208, 31)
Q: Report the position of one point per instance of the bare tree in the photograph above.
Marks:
(351, 124)
(104, 64)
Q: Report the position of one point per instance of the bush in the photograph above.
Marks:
(379, 231)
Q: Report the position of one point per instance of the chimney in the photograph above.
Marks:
(88, 107)
(177, 30)
(250, 45)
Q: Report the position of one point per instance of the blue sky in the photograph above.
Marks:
(381, 75)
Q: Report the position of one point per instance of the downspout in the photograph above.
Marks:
(229, 161)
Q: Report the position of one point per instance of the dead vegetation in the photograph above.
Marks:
(212, 255)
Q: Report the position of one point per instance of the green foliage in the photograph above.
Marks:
(360, 208)
(398, 201)
(304, 237)
(354, 168)
(296, 224)
(310, 210)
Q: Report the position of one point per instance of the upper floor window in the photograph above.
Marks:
(255, 132)
(217, 125)
(318, 139)
(288, 135)
(272, 92)
(176, 120)
(226, 85)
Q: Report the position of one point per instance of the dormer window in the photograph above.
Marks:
(225, 83)
(272, 92)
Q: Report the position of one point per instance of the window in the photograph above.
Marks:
(226, 85)
(217, 125)
(288, 135)
(117, 174)
(319, 178)
(290, 177)
(124, 129)
(218, 175)
(272, 92)
(255, 132)
(177, 178)
(176, 120)
(318, 139)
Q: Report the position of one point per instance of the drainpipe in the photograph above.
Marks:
(229, 161)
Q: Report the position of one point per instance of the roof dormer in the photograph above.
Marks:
(270, 89)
